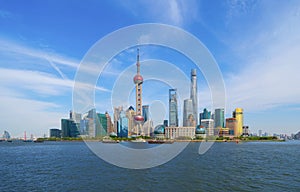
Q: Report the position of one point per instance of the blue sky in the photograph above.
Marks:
(255, 43)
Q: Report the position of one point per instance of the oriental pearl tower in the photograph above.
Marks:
(138, 81)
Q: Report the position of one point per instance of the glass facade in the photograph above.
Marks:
(173, 108)
(159, 129)
(101, 125)
(205, 115)
(122, 130)
(188, 118)
(55, 133)
(219, 118)
(145, 113)
(69, 128)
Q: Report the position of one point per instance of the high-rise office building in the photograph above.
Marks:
(219, 118)
(75, 116)
(146, 113)
(122, 130)
(188, 115)
(91, 127)
(110, 128)
(173, 108)
(194, 97)
(205, 115)
(92, 113)
(117, 111)
(84, 126)
(130, 113)
(238, 115)
(231, 123)
(101, 125)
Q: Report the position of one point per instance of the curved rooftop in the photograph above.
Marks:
(159, 129)
(200, 129)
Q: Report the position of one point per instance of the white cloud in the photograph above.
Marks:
(39, 82)
(26, 100)
(34, 81)
(270, 74)
(16, 49)
(34, 117)
(176, 12)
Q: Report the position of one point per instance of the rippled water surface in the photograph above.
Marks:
(71, 166)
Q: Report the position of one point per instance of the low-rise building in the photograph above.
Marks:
(179, 132)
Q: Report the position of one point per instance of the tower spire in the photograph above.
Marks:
(138, 61)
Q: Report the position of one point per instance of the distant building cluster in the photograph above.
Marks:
(208, 124)
(130, 122)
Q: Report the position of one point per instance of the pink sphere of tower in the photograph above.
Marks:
(138, 79)
(139, 118)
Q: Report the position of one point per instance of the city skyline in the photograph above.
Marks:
(256, 50)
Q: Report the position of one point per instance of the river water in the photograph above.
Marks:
(71, 166)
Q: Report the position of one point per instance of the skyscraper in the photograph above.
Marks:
(205, 115)
(101, 125)
(91, 122)
(130, 113)
(117, 111)
(122, 130)
(110, 128)
(231, 123)
(173, 109)
(219, 118)
(75, 116)
(146, 112)
(188, 116)
(238, 115)
(138, 81)
(194, 94)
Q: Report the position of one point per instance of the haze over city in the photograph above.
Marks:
(255, 43)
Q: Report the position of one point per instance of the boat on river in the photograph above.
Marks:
(139, 140)
(161, 141)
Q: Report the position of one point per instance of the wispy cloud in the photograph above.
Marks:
(14, 48)
(175, 12)
(34, 117)
(41, 83)
(34, 81)
(270, 73)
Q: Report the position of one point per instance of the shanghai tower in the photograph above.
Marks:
(194, 95)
